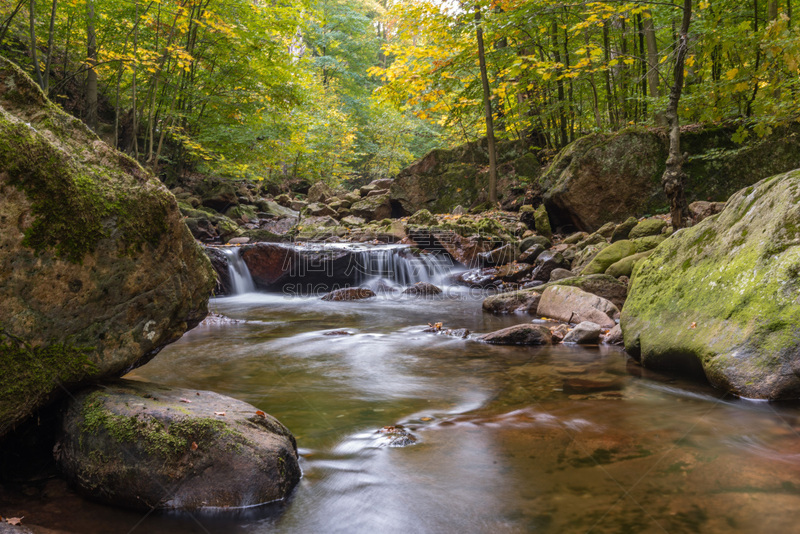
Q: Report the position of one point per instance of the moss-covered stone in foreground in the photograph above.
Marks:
(724, 296)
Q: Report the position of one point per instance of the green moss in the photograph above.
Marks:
(29, 372)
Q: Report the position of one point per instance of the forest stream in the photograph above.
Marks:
(484, 439)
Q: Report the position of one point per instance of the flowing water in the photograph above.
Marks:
(509, 439)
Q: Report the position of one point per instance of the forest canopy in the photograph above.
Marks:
(354, 90)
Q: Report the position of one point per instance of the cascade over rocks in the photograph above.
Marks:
(145, 447)
(721, 297)
(99, 270)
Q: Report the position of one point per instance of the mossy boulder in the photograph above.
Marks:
(373, 208)
(320, 192)
(624, 267)
(145, 447)
(242, 214)
(542, 222)
(99, 270)
(722, 297)
(623, 229)
(619, 250)
(422, 218)
(522, 301)
(647, 227)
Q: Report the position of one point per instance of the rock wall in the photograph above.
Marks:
(99, 270)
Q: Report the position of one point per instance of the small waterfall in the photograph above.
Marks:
(241, 281)
(399, 266)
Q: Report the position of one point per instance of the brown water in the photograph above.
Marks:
(509, 439)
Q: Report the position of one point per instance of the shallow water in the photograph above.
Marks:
(509, 439)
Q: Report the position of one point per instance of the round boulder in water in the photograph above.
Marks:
(349, 293)
(144, 446)
(422, 289)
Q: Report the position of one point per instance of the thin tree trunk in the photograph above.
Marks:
(135, 123)
(652, 62)
(49, 48)
(7, 22)
(34, 56)
(487, 106)
(674, 178)
(91, 75)
(562, 114)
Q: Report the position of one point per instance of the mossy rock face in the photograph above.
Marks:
(373, 208)
(422, 218)
(623, 230)
(99, 270)
(722, 296)
(243, 214)
(619, 250)
(126, 443)
(647, 228)
(624, 267)
(542, 222)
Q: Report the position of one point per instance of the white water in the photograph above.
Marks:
(397, 266)
(241, 281)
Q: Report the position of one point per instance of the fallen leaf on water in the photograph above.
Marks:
(426, 419)
(15, 520)
(186, 401)
(220, 413)
(194, 445)
(261, 414)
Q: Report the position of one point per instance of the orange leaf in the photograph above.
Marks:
(15, 520)
(194, 445)
(261, 414)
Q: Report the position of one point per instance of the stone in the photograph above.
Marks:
(648, 227)
(242, 214)
(99, 271)
(349, 293)
(573, 305)
(584, 257)
(319, 192)
(274, 210)
(623, 230)
(560, 274)
(423, 218)
(619, 250)
(373, 208)
(125, 443)
(459, 210)
(219, 261)
(614, 336)
(500, 256)
(592, 239)
(625, 266)
(534, 240)
(560, 332)
(239, 241)
(514, 272)
(298, 205)
(320, 210)
(701, 210)
(382, 184)
(284, 200)
(521, 334)
(607, 230)
(422, 289)
(352, 220)
(531, 254)
(721, 298)
(522, 301)
(585, 333)
(547, 262)
(601, 285)
(542, 222)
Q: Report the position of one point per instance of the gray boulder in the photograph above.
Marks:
(573, 305)
(586, 333)
(521, 334)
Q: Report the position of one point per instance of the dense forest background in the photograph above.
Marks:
(349, 91)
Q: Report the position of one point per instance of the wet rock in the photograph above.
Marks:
(587, 385)
(500, 256)
(560, 332)
(514, 272)
(338, 333)
(477, 278)
(219, 261)
(522, 334)
(586, 333)
(461, 333)
(532, 241)
(648, 227)
(125, 443)
(601, 285)
(422, 289)
(396, 436)
(614, 336)
(317, 209)
(547, 262)
(573, 305)
(352, 220)
(349, 293)
(531, 254)
(99, 271)
(522, 301)
(560, 274)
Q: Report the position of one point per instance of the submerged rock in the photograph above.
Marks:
(422, 289)
(586, 333)
(99, 271)
(722, 297)
(521, 334)
(349, 293)
(144, 446)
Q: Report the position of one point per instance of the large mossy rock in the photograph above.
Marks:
(444, 179)
(609, 177)
(145, 447)
(99, 271)
(723, 296)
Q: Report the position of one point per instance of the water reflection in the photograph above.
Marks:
(508, 439)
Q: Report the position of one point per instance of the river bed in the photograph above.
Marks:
(508, 439)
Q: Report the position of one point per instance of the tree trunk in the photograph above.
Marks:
(91, 75)
(34, 57)
(7, 22)
(652, 62)
(674, 178)
(487, 106)
(49, 59)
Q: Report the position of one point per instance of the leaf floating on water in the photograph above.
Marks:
(261, 414)
(186, 401)
(194, 445)
(221, 414)
(426, 419)
(15, 520)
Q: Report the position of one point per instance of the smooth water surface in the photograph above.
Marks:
(509, 439)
